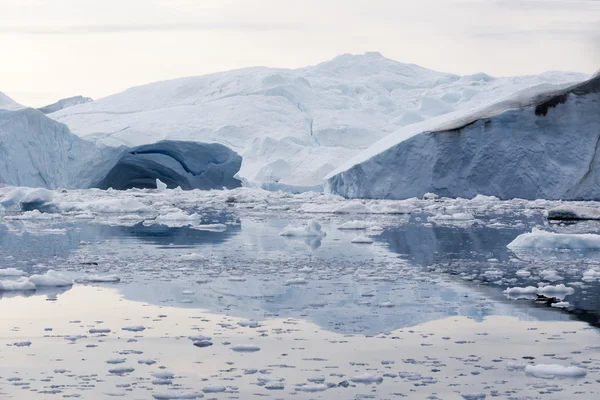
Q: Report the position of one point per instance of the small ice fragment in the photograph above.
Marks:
(362, 240)
(20, 285)
(99, 330)
(160, 186)
(295, 281)
(555, 370)
(11, 272)
(213, 389)
(245, 348)
(367, 378)
(135, 328)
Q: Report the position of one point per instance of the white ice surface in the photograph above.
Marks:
(538, 143)
(538, 239)
(292, 127)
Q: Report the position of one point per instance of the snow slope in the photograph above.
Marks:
(64, 103)
(538, 143)
(292, 127)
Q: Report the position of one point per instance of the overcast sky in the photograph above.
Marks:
(58, 48)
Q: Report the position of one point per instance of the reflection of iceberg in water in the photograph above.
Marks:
(51, 293)
(468, 249)
(346, 289)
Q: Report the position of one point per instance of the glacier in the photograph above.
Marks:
(541, 142)
(291, 127)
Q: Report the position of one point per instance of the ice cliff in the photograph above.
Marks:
(539, 143)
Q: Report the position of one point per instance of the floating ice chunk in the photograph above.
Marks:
(555, 291)
(352, 207)
(178, 215)
(99, 330)
(275, 386)
(367, 379)
(115, 360)
(214, 389)
(512, 366)
(146, 362)
(529, 292)
(316, 379)
(202, 343)
(163, 375)
(355, 225)
(50, 279)
(99, 279)
(36, 198)
(11, 272)
(483, 198)
(473, 396)
(362, 240)
(430, 196)
(121, 370)
(312, 388)
(111, 206)
(245, 348)
(386, 304)
(493, 274)
(550, 275)
(555, 370)
(588, 276)
(177, 396)
(250, 324)
(569, 212)
(523, 273)
(192, 257)
(30, 215)
(561, 304)
(295, 281)
(160, 186)
(313, 229)
(21, 284)
(210, 227)
(13, 197)
(268, 378)
(538, 239)
(548, 291)
(135, 328)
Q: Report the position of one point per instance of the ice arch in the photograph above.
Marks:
(191, 165)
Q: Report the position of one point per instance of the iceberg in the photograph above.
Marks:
(291, 127)
(540, 143)
(37, 151)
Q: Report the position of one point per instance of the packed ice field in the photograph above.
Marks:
(246, 293)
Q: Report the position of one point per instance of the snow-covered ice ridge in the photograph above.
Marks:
(537, 143)
(64, 103)
(291, 127)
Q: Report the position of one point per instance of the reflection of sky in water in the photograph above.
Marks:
(249, 269)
